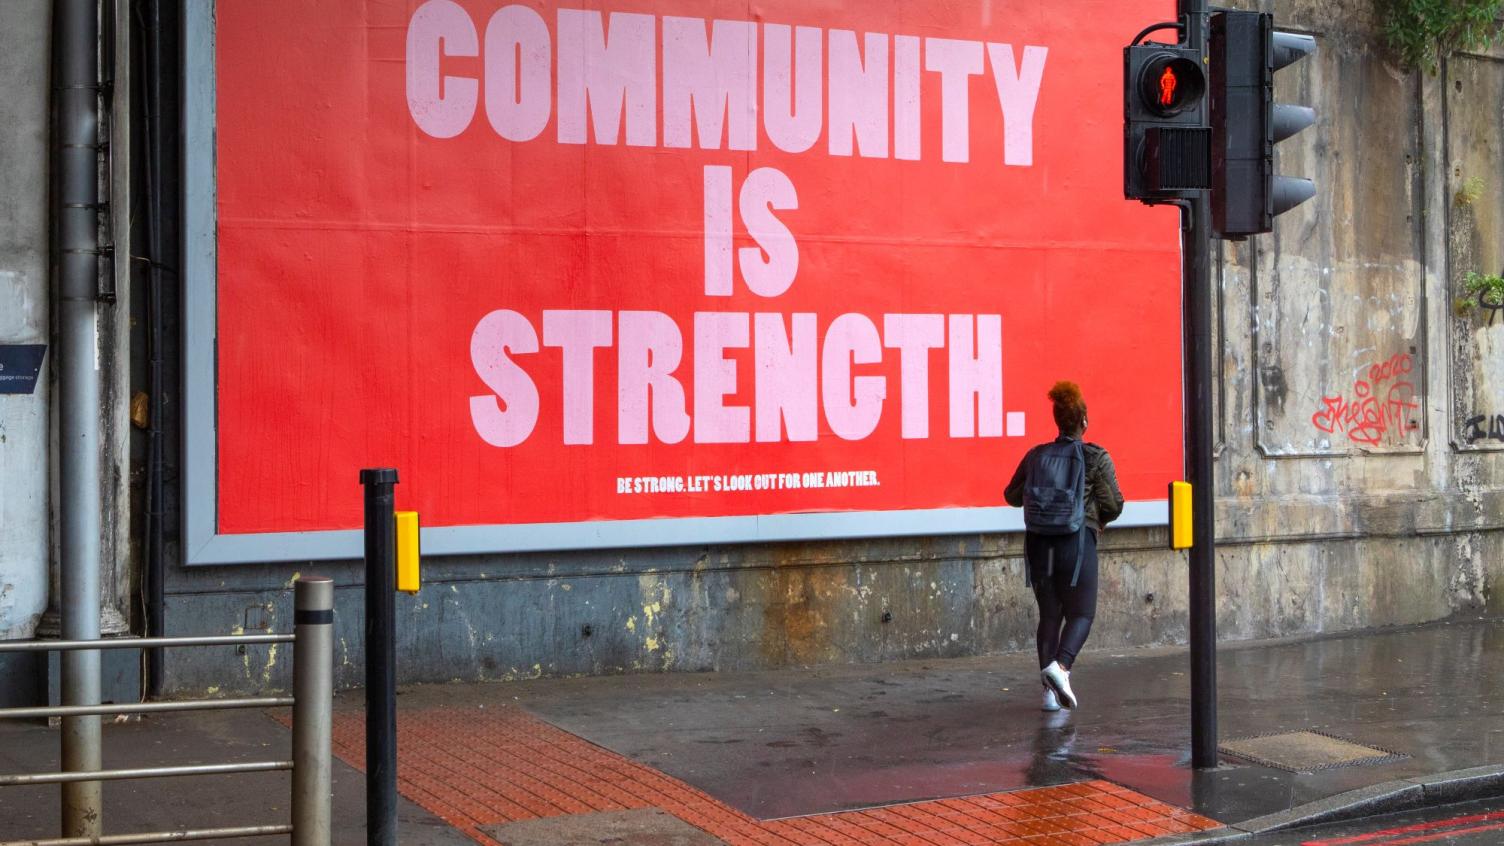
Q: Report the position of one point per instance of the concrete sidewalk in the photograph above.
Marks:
(932, 752)
(782, 744)
(943, 752)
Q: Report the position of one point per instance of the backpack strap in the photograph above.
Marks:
(1049, 568)
(1081, 457)
(1080, 543)
(1080, 536)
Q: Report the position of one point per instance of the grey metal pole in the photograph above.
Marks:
(21, 779)
(159, 836)
(144, 707)
(76, 204)
(1200, 446)
(140, 642)
(312, 719)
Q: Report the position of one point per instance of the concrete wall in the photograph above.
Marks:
(28, 448)
(805, 605)
(24, 314)
(1349, 496)
(120, 554)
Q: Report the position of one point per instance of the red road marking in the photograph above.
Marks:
(1426, 838)
(1413, 829)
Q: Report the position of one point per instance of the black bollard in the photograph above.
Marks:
(381, 657)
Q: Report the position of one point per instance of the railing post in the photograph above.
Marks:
(381, 656)
(313, 693)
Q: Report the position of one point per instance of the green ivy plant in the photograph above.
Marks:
(1470, 190)
(1422, 31)
(1481, 289)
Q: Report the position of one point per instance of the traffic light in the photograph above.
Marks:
(1245, 51)
(1165, 136)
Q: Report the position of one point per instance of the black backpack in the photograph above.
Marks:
(1055, 492)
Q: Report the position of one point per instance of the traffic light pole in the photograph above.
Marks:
(1196, 302)
(381, 656)
(1197, 322)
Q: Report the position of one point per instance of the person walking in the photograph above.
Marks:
(1069, 490)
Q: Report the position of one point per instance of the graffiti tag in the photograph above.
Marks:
(1476, 432)
(1381, 407)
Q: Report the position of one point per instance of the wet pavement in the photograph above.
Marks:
(751, 758)
(192, 802)
(783, 744)
(1471, 824)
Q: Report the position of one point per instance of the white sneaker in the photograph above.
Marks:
(1058, 679)
(1051, 702)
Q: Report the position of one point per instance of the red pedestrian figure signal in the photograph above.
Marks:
(1167, 83)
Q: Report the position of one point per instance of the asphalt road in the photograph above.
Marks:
(1471, 824)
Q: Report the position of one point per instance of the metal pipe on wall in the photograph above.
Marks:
(76, 261)
(155, 59)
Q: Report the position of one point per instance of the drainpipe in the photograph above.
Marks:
(76, 260)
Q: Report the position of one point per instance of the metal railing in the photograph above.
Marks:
(312, 703)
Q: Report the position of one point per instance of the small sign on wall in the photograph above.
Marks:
(19, 366)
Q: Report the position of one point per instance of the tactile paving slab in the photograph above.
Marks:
(481, 766)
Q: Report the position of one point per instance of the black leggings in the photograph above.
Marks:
(1065, 612)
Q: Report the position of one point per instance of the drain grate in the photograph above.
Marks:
(1307, 752)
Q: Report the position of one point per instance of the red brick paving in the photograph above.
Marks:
(477, 767)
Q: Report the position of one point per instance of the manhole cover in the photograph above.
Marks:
(1307, 752)
(642, 827)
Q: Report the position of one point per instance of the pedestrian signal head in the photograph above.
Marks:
(1165, 137)
(1170, 85)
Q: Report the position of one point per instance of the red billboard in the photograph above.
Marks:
(585, 261)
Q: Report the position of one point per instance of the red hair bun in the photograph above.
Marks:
(1070, 408)
(1067, 394)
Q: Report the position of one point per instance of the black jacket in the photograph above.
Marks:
(1104, 500)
